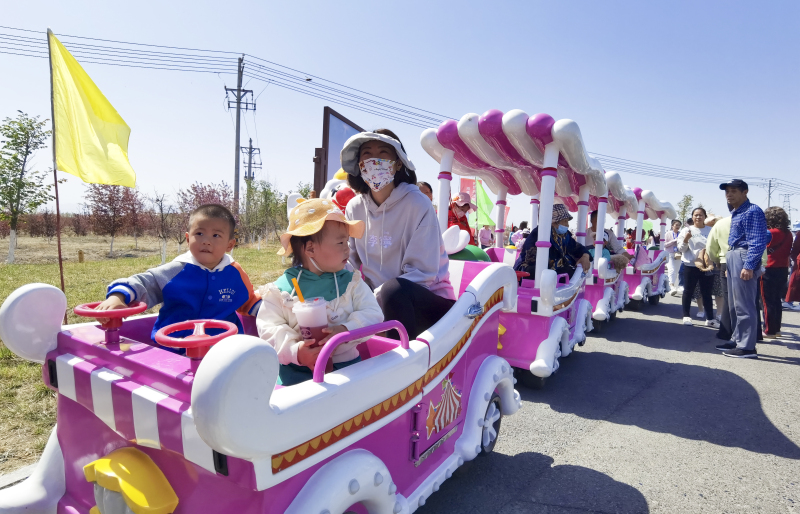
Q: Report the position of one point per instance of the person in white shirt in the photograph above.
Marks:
(671, 247)
(691, 242)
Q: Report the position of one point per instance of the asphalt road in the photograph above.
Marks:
(648, 417)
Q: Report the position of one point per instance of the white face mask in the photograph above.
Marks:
(377, 173)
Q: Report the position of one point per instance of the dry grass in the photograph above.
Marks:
(27, 407)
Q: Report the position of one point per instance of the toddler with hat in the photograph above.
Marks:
(317, 239)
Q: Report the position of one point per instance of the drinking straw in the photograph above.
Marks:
(297, 288)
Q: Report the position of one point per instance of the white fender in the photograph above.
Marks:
(642, 290)
(357, 476)
(622, 295)
(238, 411)
(547, 292)
(30, 320)
(583, 324)
(546, 359)
(40, 492)
(604, 306)
(494, 375)
(663, 284)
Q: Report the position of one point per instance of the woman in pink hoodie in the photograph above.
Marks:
(401, 255)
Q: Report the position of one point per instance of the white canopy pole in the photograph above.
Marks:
(602, 204)
(534, 212)
(500, 226)
(583, 211)
(548, 190)
(445, 177)
(623, 211)
(639, 223)
(663, 231)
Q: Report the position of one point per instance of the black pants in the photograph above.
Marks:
(773, 289)
(413, 305)
(691, 277)
(725, 328)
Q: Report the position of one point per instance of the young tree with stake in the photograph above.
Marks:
(22, 190)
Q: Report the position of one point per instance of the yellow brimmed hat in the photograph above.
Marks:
(310, 216)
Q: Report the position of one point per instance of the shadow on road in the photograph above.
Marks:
(526, 483)
(692, 402)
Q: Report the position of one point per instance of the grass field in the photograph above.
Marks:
(27, 407)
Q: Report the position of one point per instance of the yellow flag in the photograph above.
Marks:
(91, 137)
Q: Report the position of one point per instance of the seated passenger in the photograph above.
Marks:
(402, 255)
(565, 252)
(617, 255)
(203, 283)
(317, 239)
(457, 214)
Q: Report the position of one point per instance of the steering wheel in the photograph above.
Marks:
(522, 274)
(88, 310)
(197, 344)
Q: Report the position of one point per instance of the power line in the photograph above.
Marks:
(174, 58)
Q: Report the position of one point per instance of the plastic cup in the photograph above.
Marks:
(312, 317)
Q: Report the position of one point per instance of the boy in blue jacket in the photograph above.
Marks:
(203, 283)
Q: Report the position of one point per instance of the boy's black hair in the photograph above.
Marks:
(406, 175)
(215, 211)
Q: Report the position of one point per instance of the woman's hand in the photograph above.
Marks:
(114, 301)
(585, 262)
(307, 354)
(687, 236)
(331, 331)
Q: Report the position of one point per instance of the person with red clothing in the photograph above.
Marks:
(793, 292)
(457, 214)
(773, 283)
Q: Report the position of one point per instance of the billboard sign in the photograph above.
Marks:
(336, 130)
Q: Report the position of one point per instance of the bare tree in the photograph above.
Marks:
(108, 210)
(81, 222)
(49, 223)
(133, 203)
(194, 196)
(161, 219)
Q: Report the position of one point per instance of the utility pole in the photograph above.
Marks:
(252, 153)
(249, 175)
(769, 193)
(787, 206)
(239, 95)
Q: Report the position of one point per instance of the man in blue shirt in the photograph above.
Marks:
(747, 241)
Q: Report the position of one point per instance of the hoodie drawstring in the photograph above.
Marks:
(366, 236)
(298, 281)
(380, 239)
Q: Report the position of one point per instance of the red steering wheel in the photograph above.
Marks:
(88, 310)
(197, 344)
(522, 274)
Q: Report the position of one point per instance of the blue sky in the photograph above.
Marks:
(706, 86)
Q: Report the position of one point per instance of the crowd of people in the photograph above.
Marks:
(741, 263)
(384, 258)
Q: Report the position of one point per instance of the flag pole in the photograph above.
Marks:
(55, 174)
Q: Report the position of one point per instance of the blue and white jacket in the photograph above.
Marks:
(188, 290)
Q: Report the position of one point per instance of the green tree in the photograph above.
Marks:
(22, 190)
(684, 206)
(304, 189)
